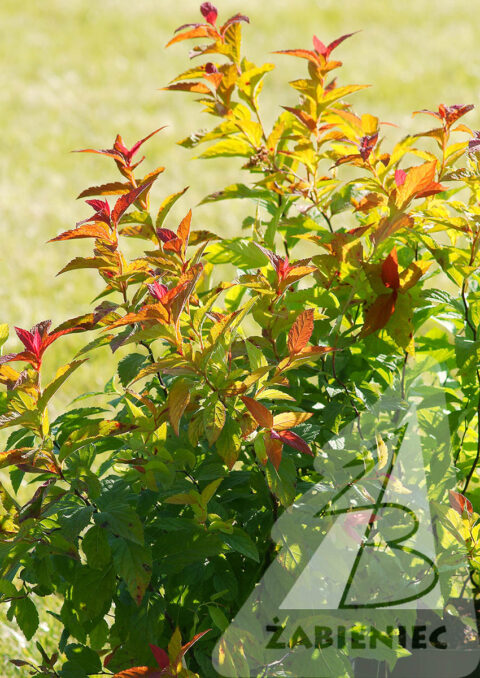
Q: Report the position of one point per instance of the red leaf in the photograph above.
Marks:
(124, 202)
(234, 20)
(400, 176)
(459, 502)
(161, 656)
(301, 331)
(165, 234)
(335, 43)
(293, 440)
(259, 412)
(390, 271)
(131, 152)
(319, 46)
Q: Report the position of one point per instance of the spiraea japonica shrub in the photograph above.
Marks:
(151, 504)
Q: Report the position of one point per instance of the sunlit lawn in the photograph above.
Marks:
(76, 72)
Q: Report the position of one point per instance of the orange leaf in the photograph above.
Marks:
(418, 179)
(96, 230)
(368, 202)
(140, 672)
(296, 273)
(301, 331)
(315, 350)
(379, 313)
(199, 87)
(274, 450)
(197, 32)
(388, 226)
(390, 271)
(155, 312)
(183, 230)
(301, 53)
(459, 502)
(259, 412)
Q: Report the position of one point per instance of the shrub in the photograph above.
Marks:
(152, 503)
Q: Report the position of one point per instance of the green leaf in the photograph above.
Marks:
(282, 482)
(130, 366)
(74, 520)
(239, 191)
(27, 616)
(134, 565)
(93, 591)
(241, 542)
(218, 618)
(210, 491)
(121, 520)
(237, 251)
(7, 589)
(98, 635)
(96, 547)
(81, 661)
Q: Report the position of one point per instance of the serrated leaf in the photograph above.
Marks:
(26, 616)
(121, 520)
(166, 206)
(130, 366)
(133, 563)
(96, 547)
(301, 331)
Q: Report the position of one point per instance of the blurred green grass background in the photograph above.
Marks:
(75, 73)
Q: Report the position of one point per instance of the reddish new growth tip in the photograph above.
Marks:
(102, 212)
(36, 341)
(122, 155)
(157, 290)
(326, 50)
(448, 114)
(209, 12)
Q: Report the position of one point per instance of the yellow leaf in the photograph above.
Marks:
(287, 420)
(177, 401)
(382, 453)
